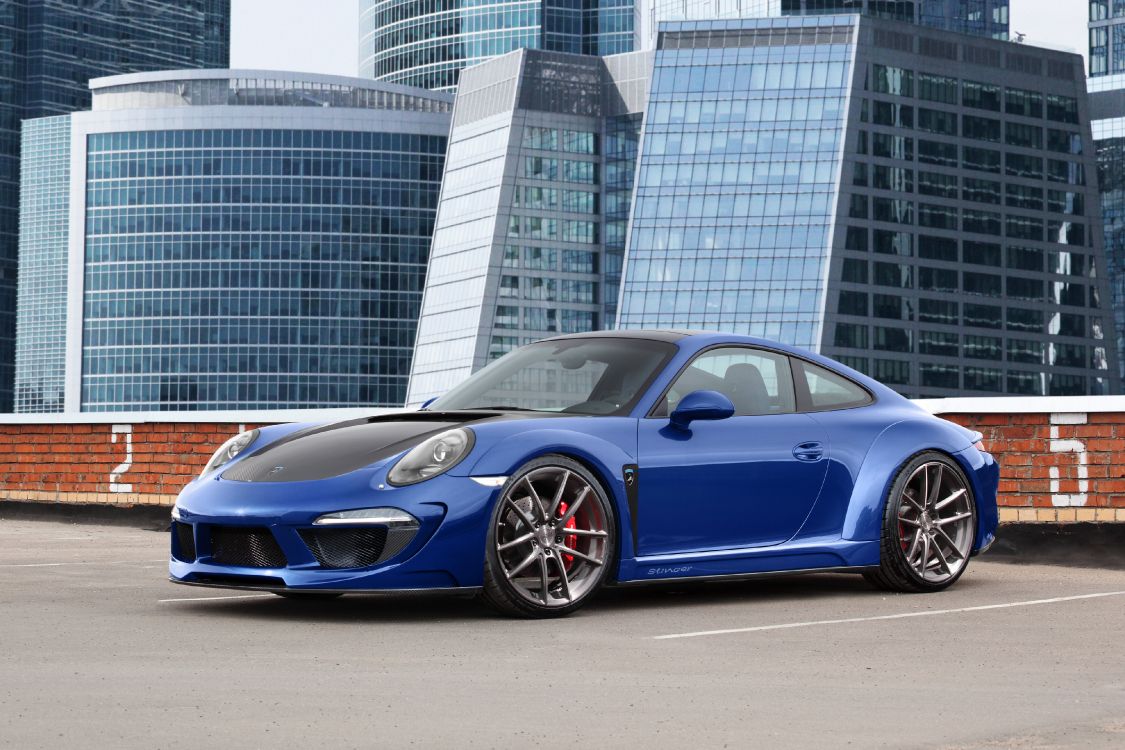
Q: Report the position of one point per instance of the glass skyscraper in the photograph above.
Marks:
(1107, 37)
(737, 189)
(1107, 114)
(989, 18)
(45, 210)
(227, 240)
(918, 204)
(427, 43)
(531, 226)
(48, 52)
(13, 67)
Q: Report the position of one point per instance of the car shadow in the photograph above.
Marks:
(719, 593)
(648, 599)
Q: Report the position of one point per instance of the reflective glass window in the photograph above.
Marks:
(889, 79)
(937, 248)
(983, 316)
(940, 311)
(980, 95)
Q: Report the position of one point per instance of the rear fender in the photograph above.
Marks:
(894, 447)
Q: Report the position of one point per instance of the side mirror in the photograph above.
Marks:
(701, 405)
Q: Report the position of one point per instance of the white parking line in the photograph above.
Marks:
(213, 598)
(902, 615)
(81, 562)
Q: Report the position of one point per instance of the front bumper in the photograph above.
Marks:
(261, 535)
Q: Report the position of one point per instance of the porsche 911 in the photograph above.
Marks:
(612, 458)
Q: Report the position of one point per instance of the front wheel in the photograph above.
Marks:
(550, 541)
(929, 526)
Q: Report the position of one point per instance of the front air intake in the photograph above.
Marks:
(245, 547)
(346, 548)
(357, 547)
(183, 546)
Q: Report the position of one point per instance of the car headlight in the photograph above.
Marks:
(228, 450)
(431, 457)
(369, 516)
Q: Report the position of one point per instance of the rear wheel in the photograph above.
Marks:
(929, 526)
(550, 541)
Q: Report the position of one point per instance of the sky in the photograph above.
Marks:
(308, 36)
(320, 36)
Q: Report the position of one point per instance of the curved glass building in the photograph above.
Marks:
(428, 42)
(234, 240)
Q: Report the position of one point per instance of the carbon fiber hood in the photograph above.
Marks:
(331, 450)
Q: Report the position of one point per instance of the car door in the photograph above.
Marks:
(746, 481)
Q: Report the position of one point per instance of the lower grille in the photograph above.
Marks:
(346, 548)
(184, 546)
(245, 547)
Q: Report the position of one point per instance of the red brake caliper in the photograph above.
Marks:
(570, 540)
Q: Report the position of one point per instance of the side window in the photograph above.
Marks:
(827, 390)
(756, 381)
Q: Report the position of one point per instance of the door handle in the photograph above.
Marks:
(811, 451)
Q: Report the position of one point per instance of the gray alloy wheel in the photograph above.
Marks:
(929, 526)
(551, 540)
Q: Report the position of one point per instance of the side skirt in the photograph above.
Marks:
(745, 576)
(806, 556)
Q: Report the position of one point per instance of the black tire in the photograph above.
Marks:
(895, 572)
(501, 593)
(306, 596)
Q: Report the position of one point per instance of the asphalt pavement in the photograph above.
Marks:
(98, 649)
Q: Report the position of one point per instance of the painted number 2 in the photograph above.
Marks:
(126, 432)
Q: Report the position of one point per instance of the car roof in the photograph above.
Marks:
(650, 334)
(693, 341)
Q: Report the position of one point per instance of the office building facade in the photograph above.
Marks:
(987, 18)
(531, 226)
(916, 203)
(227, 240)
(1107, 114)
(428, 43)
(48, 52)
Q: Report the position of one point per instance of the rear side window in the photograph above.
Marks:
(827, 390)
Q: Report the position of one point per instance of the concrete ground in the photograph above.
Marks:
(97, 649)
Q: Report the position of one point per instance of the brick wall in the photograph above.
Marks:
(1057, 466)
(119, 464)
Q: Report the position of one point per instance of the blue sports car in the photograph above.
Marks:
(596, 459)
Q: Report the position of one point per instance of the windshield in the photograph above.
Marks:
(576, 376)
